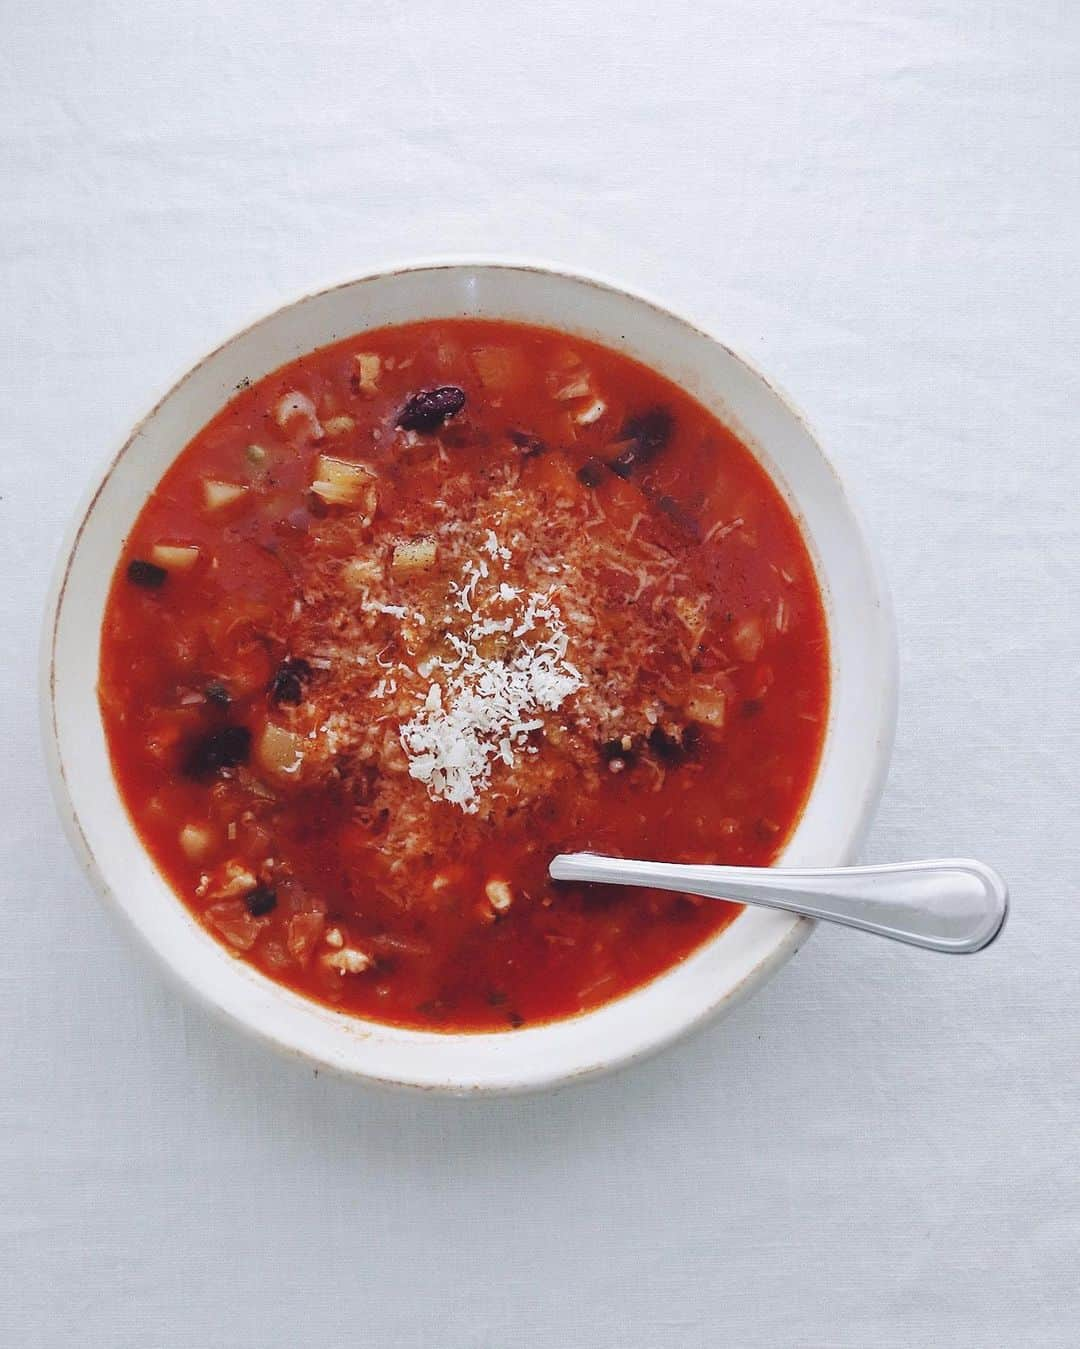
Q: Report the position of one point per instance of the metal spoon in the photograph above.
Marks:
(952, 905)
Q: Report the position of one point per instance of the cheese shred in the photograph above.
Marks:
(488, 705)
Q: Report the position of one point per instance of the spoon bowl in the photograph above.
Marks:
(953, 905)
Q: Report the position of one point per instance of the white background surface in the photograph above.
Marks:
(878, 203)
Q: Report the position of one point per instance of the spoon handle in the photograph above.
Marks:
(952, 905)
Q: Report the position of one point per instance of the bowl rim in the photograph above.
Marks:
(787, 942)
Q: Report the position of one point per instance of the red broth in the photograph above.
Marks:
(427, 606)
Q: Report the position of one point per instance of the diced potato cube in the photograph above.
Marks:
(196, 840)
(748, 637)
(343, 482)
(499, 894)
(339, 426)
(413, 556)
(174, 557)
(217, 495)
(360, 572)
(709, 706)
(368, 367)
(280, 751)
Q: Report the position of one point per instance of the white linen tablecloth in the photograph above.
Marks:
(876, 200)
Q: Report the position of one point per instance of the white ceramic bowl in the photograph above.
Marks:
(710, 982)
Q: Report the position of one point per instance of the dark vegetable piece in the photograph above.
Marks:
(261, 901)
(527, 443)
(671, 749)
(591, 472)
(648, 433)
(146, 574)
(665, 746)
(287, 685)
(217, 693)
(427, 410)
(220, 749)
(679, 516)
(456, 435)
(622, 749)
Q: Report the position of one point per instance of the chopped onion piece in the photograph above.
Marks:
(303, 934)
(231, 880)
(498, 367)
(592, 413)
(297, 404)
(692, 615)
(235, 924)
(748, 637)
(348, 961)
(578, 387)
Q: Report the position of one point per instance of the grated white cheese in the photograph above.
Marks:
(488, 706)
(494, 548)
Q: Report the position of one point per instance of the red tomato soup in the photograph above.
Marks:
(422, 609)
